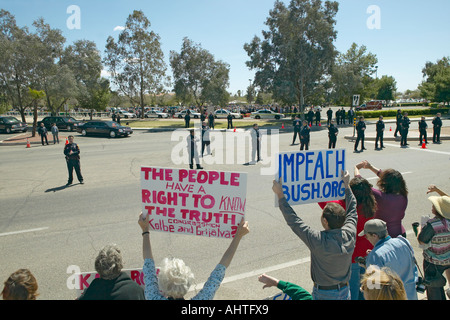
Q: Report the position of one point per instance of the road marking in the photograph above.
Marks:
(413, 148)
(22, 231)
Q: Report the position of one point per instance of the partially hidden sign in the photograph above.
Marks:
(311, 176)
(195, 202)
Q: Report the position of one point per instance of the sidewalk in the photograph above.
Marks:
(21, 139)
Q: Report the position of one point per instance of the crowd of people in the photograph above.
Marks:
(362, 253)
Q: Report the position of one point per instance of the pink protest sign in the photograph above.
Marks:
(196, 202)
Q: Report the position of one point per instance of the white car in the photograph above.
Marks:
(156, 114)
(266, 114)
(223, 114)
(125, 114)
(193, 114)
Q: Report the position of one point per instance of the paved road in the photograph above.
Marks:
(69, 225)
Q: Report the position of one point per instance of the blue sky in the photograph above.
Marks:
(411, 32)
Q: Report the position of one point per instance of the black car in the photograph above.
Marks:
(12, 124)
(108, 128)
(64, 123)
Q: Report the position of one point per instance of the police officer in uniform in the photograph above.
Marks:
(380, 132)
(192, 150)
(297, 126)
(423, 131)
(398, 122)
(187, 119)
(229, 121)
(437, 124)
(329, 116)
(304, 136)
(317, 114)
(332, 135)
(405, 122)
(72, 153)
(310, 116)
(360, 130)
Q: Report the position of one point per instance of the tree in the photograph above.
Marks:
(36, 96)
(387, 86)
(198, 78)
(436, 86)
(136, 61)
(352, 74)
(17, 61)
(297, 51)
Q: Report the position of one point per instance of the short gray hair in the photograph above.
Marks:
(175, 278)
(109, 262)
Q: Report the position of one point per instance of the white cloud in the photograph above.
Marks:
(119, 28)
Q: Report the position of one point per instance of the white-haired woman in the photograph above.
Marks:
(175, 278)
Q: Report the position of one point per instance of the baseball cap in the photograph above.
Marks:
(373, 226)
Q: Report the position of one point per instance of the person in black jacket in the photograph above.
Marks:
(360, 131)
(42, 130)
(317, 114)
(187, 119)
(304, 136)
(437, 124)
(404, 130)
(332, 135)
(72, 153)
(310, 117)
(113, 284)
(398, 122)
(297, 126)
(329, 116)
(423, 131)
(380, 133)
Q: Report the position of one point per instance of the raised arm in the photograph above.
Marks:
(241, 231)
(433, 188)
(146, 247)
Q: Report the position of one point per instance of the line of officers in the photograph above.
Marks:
(302, 130)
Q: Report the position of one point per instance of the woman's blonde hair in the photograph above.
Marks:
(174, 278)
(382, 284)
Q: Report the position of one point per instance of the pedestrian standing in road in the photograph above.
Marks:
(332, 135)
(329, 116)
(343, 115)
(205, 139)
(331, 249)
(55, 132)
(118, 118)
(256, 143)
(338, 116)
(72, 153)
(351, 115)
(192, 150)
(380, 133)
(437, 124)
(317, 114)
(310, 117)
(229, 121)
(113, 117)
(211, 120)
(43, 133)
(423, 131)
(398, 122)
(297, 127)
(404, 130)
(187, 119)
(304, 136)
(360, 131)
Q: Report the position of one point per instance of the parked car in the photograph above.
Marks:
(266, 114)
(223, 113)
(108, 128)
(182, 113)
(12, 124)
(156, 114)
(125, 114)
(371, 105)
(63, 123)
